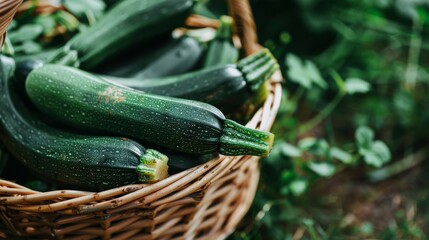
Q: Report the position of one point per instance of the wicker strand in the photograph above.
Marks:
(245, 25)
(7, 11)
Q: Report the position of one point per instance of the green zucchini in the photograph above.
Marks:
(85, 101)
(82, 161)
(176, 56)
(177, 161)
(226, 87)
(129, 23)
(221, 49)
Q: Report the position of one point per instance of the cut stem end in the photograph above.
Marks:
(153, 166)
(240, 140)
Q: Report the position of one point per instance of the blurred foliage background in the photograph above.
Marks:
(351, 134)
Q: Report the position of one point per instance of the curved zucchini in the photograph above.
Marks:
(226, 87)
(86, 162)
(127, 24)
(86, 101)
(221, 49)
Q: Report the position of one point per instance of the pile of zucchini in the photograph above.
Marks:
(83, 119)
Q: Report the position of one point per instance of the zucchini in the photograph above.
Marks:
(176, 56)
(129, 23)
(85, 101)
(179, 56)
(226, 87)
(177, 161)
(221, 49)
(86, 162)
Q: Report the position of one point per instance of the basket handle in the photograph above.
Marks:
(7, 11)
(241, 11)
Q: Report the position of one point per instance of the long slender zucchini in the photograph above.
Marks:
(86, 162)
(226, 87)
(179, 56)
(176, 56)
(86, 101)
(128, 23)
(177, 161)
(221, 49)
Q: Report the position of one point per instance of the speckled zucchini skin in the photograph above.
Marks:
(175, 56)
(221, 49)
(226, 87)
(130, 22)
(84, 162)
(223, 87)
(86, 101)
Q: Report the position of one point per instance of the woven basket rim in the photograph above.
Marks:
(7, 11)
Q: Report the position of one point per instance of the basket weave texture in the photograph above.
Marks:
(7, 11)
(205, 202)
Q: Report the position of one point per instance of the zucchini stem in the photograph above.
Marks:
(225, 28)
(153, 166)
(258, 68)
(65, 56)
(237, 140)
(221, 50)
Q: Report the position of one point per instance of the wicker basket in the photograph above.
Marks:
(205, 202)
(7, 11)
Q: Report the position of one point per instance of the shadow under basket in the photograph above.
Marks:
(205, 202)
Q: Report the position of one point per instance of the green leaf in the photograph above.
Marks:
(314, 74)
(372, 159)
(341, 155)
(378, 155)
(80, 7)
(305, 74)
(12, 25)
(410, 8)
(47, 22)
(307, 143)
(290, 150)
(382, 150)
(323, 169)
(318, 147)
(29, 47)
(364, 137)
(356, 85)
(296, 71)
(25, 33)
(339, 82)
(298, 187)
